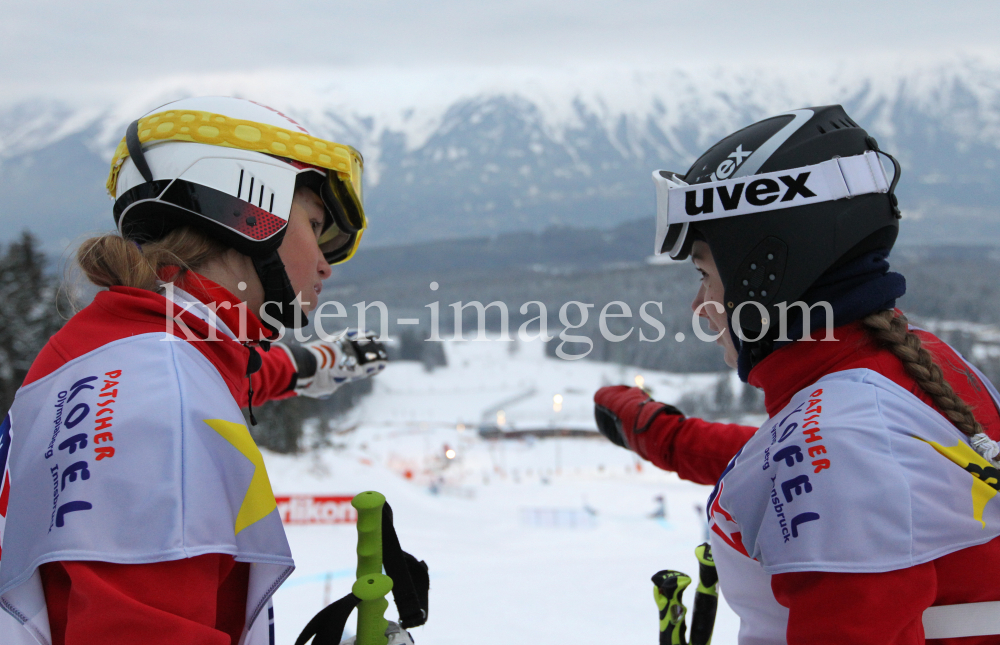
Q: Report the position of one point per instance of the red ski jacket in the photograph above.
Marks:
(196, 600)
(834, 608)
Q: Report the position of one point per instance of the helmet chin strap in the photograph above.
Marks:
(277, 288)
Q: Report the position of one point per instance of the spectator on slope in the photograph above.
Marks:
(863, 510)
(139, 509)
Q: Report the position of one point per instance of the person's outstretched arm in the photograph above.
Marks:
(695, 449)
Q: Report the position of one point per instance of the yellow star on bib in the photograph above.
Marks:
(985, 479)
(259, 500)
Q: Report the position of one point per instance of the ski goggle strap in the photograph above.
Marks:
(679, 204)
(220, 130)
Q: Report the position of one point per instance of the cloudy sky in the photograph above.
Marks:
(65, 47)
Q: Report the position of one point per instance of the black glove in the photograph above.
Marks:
(609, 425)
(622, 412)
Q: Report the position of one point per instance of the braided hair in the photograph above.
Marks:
(892, 332)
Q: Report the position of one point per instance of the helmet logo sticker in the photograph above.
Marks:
(757, 193)
(731, 163)
(249, 197)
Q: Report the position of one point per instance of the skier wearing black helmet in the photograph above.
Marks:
(135, 506)
(861, 511)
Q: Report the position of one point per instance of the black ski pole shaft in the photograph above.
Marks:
(668, 587)
(706, 597)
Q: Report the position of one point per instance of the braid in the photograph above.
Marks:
(893, 332)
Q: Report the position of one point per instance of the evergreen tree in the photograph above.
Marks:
(433, 356)
(32, 306)
(751, 400)
(723, 394)
(280, 423)
(413, 346)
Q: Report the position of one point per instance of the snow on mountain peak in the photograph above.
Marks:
(361, 106)
(462, 150)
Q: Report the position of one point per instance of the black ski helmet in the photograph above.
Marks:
(774, 256)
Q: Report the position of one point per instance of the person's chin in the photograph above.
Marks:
(729, 354)
(306, 306)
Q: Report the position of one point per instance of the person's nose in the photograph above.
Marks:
(323, 267)
(699, 298)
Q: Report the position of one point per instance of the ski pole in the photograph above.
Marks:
(369, 506)
(372, 589)
(371, 586)
(706, 597)
(668, 587)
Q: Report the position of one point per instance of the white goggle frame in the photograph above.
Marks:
(678, 203)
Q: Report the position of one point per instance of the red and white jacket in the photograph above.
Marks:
(176, 406)
(889, 516)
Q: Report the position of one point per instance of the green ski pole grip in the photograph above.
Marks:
(369, 506)
(372, 589)
(668, 589)
(706, 597)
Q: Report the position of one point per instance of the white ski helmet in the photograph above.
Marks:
(229, 167)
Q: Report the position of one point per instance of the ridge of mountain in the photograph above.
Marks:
(459, 153)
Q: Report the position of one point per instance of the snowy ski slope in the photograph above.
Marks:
(541, 539)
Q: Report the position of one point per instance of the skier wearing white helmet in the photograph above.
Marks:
(136, 504)
(861, 511)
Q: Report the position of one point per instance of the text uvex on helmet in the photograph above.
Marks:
(778, 203)
(230, 167)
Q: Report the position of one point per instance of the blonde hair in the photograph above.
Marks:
(111, 260)
(892, 331)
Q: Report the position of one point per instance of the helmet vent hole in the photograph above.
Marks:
(760, 273)
(821, 130)
(834, 124)
(262, 195)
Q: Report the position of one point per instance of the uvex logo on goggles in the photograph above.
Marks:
(759, 192)
(679, 203)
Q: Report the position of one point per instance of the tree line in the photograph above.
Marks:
(943, 285)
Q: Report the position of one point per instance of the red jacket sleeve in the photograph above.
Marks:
(695, 449)
(200, 600)
(273, 381)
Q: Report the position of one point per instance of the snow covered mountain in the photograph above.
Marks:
(462, 152)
